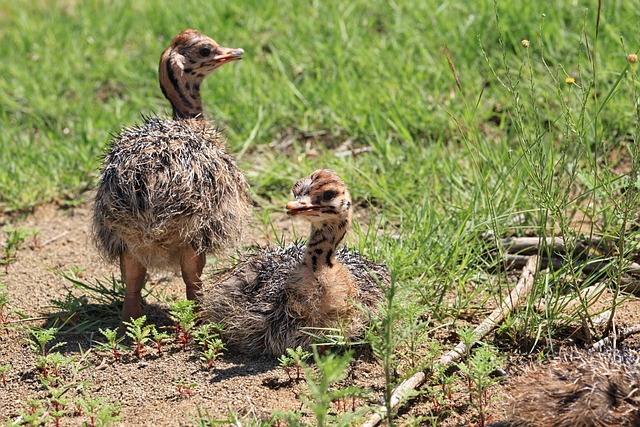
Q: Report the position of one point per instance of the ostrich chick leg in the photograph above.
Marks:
(133, 274)
(192, 265)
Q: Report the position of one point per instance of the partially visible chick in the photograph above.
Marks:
(580, 389)
(282, 298)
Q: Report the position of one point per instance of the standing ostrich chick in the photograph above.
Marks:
(169, 193)
(279, 298)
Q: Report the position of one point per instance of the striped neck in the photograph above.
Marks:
(325, 238)
(180, 85)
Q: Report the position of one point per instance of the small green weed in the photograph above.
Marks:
(213, 351)
(478, 369)
(5, 308)
(114, 342)
(183, 313)
(206, 333)
(15, 239)
(41, 337)
(184, 387)
(204, 419)
(139, 333)
(159, 339)
(98, 410)
(322, 393)
(383, 342)
(294, 358)
(4, 369)
(66, 387)
(211, 345)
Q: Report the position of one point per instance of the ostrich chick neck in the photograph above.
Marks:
(320, 287)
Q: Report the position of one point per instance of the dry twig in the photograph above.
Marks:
(53, 239)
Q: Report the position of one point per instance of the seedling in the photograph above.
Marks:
(35, 413)
(113, 341)
(159, 339)
(40, 337)
(58, 404)
(213, 350)
(139, 333)
(184, 316)
(294, 358)
(477, 370)
(185, 389)
(331, 368)
(3, 373)
(4, 308)
(15, 238)
(99, 411)
(4, 299)
(207, 333)
(50, 367)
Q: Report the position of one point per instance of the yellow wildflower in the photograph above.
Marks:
(525, 43)
(570, 80)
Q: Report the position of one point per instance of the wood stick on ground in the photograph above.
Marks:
(587, 267)
(53, 239)
(558, 245)
(522, 289)
(625, 333)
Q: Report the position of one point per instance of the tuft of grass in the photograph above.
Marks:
(87, 306)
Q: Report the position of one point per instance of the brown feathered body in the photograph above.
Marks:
(166, 185)
(281, 298)
(579, 389)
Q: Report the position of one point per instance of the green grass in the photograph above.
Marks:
(372, 72)
(454, 154)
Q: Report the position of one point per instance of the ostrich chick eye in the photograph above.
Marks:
(205, 51)
(328, 195)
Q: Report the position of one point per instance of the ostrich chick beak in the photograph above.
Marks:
(301, 207)
(225, 54)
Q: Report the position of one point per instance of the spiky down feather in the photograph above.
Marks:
(167, 184)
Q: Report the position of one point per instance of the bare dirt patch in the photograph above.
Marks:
(145, 388)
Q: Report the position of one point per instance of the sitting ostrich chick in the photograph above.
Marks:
(279, 298)
(169, 193)
(596, 389)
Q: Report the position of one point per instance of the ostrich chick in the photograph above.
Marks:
(282, 298)
(169, 193)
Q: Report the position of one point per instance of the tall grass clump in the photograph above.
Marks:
(572, 161)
